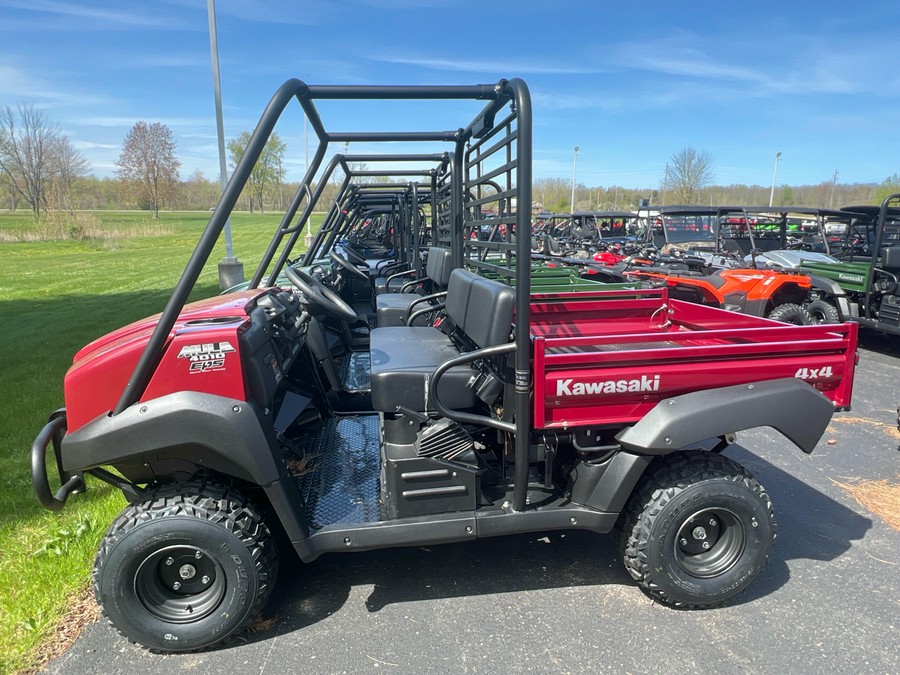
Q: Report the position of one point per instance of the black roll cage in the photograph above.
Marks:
(472, 179)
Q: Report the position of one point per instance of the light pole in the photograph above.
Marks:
(574, 164)
(774, 173)
(231, 272)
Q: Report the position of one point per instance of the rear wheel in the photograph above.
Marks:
(185, 569)
(791, 313)
(698, 530)
(823, 311)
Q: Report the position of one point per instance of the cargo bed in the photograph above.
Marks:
(604, 359)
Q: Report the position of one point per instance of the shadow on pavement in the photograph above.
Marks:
(811, 526)
(876, 341)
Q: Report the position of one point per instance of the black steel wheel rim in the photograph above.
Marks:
(710, 542)
(180, 584)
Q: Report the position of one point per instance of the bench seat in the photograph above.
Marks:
(404, 358)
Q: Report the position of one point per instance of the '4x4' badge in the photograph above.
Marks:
(814, 373)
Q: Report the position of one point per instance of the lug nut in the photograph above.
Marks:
(170, 561)
(205, 580)
(198, 555)
(683, 541)
(176, 585)
(712, 522)
(705, 545)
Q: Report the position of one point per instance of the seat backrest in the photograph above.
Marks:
(890, 260)
(481, 308)
(438, 266)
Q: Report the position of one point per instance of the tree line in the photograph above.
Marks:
(41, 170)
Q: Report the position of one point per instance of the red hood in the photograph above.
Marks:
(232, 304)
(100, 370)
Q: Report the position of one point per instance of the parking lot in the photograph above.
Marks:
(829, 600)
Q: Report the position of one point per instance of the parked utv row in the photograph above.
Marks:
(823, 265)
(412, 378)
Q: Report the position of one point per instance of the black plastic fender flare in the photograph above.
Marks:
(221, 433)
(791, 406)
(215, 432)
(835, 293)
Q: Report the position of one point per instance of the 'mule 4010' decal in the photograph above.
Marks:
(206, 357)
(814, 373)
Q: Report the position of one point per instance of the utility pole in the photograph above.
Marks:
(833, 183)
(665, 184)
(774, 173)
(574, 163)
(231, 272)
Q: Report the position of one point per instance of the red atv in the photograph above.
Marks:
(780, 296)
(282, 413)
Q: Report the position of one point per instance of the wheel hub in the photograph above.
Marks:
(709, 542)
(179, 584)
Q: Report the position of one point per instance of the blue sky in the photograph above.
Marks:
(630, 83)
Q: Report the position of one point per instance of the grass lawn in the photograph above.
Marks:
(56, 296)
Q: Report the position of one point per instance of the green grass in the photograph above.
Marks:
(56, 296)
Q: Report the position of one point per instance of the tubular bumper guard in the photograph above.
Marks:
(71, 483)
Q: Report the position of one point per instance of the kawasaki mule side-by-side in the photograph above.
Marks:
(287, 413)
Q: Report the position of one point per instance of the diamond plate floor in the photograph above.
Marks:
(338, 471)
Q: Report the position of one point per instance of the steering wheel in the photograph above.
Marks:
(354, 256)
(319, 294)
(347, 265)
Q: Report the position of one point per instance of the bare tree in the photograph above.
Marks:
(268, 174)
(27, 141)
(689, 172)
(65, 165)
(149, 165)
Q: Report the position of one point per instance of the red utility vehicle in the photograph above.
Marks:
(283, 411)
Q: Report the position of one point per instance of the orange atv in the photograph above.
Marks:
(778, 295)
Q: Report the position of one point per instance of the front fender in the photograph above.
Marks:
(206, 430)
(835, 293)
(789, 405)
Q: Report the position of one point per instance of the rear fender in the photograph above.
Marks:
(785, 290)
(789, 405)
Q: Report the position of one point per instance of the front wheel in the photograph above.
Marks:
(185, 569)
(822, 312)
(698, 530)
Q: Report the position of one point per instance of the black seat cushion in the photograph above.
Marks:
(403, 361)
(382, 285)
(391, 308)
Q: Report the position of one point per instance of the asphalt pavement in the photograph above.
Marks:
(828, 602)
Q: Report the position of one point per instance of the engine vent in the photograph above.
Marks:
(444, 439)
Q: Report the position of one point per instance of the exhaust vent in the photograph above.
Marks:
(446, 440)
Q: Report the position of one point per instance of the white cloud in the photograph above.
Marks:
(19, 85)
(490, 65)
(99, 17)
